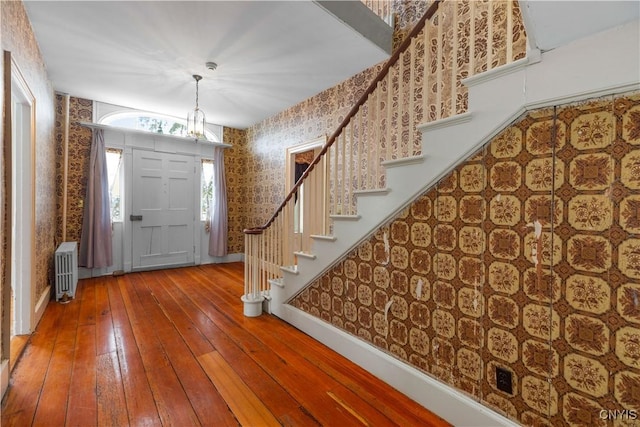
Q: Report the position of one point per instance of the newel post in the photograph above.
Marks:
(252, 297)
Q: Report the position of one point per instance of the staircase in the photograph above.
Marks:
(376, 162)
(444, 143)
(278, 267)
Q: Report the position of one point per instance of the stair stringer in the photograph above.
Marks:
(602, 64)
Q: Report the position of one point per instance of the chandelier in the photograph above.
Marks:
(196, 119)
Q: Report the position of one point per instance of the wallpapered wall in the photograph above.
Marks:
(526, 257)
(18, 38)
(235, 167)
(80, 110)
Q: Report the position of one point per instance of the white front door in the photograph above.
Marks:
(162, 213)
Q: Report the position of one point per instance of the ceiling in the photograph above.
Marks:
(551, 24)
(271, 55)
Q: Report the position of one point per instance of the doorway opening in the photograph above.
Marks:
(22, 207)
(310, 214)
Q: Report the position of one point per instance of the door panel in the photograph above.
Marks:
(163, 194)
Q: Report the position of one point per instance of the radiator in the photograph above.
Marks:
(66, 271)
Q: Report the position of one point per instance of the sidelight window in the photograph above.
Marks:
(114, 172)
(206, 188)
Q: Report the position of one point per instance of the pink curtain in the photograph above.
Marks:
(95, 243)
(218, 214)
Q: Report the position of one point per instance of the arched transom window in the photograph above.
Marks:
(152, 122)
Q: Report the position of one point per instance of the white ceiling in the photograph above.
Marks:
(142, 54)
(551, 24)
(270, 54)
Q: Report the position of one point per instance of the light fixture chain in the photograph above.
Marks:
(196, 119)
(197, 82)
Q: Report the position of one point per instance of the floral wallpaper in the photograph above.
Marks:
(5, 306)
(525, 258)
(235, 167)
(18, 38)
(80, 137)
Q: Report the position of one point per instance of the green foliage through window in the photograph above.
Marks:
(206, 188)
(114, 166)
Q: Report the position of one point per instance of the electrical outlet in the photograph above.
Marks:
(504, 380)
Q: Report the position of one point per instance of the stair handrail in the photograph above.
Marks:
(406, 43)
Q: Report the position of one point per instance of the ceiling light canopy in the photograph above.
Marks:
(196, 119)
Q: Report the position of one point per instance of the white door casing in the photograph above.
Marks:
(311, 215)
(162, 211)
(23, 203)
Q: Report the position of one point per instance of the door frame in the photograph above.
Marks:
(130, 141)
(315, 144)
(22, 201)
(291, 152)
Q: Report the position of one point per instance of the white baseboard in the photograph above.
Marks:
(4, 376)
(208, 259)
(41, 305)
(86, 273)
(441, 399)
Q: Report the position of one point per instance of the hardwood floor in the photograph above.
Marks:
(172, 347)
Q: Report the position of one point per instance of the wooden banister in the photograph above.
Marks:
(352, 113)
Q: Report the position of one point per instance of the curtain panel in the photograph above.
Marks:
(95, 241)
(218, 212)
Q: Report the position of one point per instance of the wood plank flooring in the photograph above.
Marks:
(172, 347)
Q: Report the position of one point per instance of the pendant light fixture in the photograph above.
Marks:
(196, 119)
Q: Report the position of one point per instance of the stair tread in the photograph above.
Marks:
(305, 255)
(323, 237)
(293, 269)
(347, 217)
(372, 191)
(403, 161)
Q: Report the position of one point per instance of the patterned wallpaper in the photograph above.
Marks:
(5, 315)
(80, 110)
(235, 167)
(18, 38)
(527, 258)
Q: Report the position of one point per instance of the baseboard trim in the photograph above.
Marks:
(208, 259)
(445, 401)
(87, 273)
(4, 376)
(41, 306)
